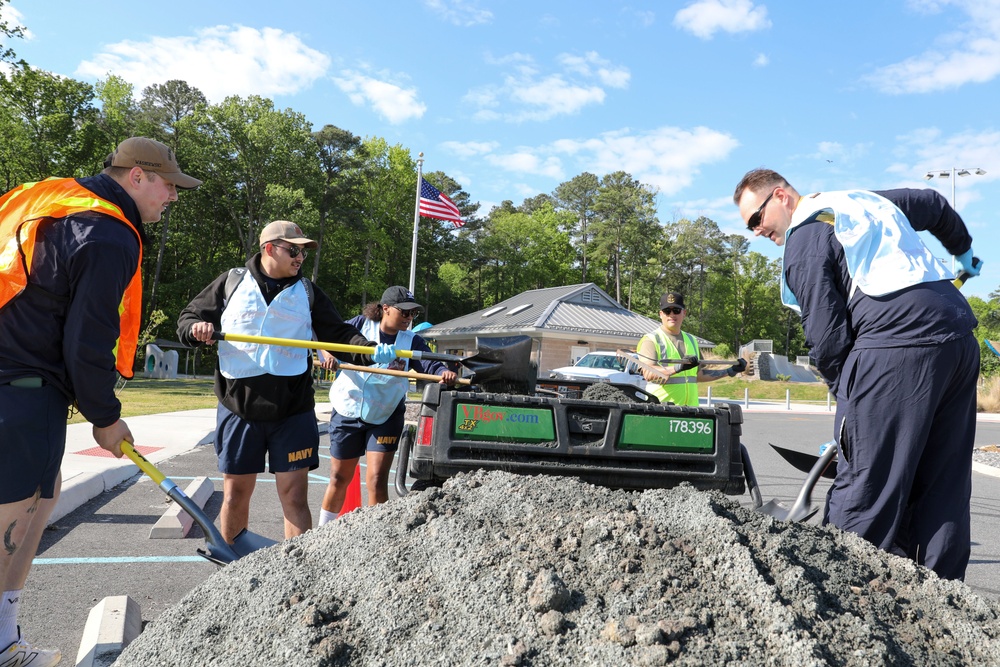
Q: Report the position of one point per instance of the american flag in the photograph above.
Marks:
(433, 204)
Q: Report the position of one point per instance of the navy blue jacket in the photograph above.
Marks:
(64, 326)
(926, 314)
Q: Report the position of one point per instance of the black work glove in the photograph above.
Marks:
(738, 367)
(688, 362)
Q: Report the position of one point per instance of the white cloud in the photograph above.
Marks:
(592, 64)
(706, 17)
(469, 148)
(969, 55)
(219, 61)
(528, 162)
(668, 158)
(389, 100)
(926, 149)
(761, 60)
(15, 19)
(539, 97)
(460, 12)
(552, 96)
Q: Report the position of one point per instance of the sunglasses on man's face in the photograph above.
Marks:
(292, 251)
(672, 310)
(753, 222)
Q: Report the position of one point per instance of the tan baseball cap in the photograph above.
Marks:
(285, 230)
(151, 155)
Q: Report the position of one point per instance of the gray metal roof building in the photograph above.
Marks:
(575, 315)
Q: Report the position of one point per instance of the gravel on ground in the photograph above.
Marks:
(501, 569)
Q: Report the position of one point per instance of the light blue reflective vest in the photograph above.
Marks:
(884, 253)
(369, 396)
(287, 316)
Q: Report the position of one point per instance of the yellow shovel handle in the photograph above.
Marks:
(308, 344)
(141, 461)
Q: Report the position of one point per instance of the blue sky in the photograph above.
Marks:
(511, 98)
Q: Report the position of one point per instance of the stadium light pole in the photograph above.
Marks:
(951, 173)
(946, 173)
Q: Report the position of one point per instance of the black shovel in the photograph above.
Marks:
(802, 508)
(217, 549)
(803, 461)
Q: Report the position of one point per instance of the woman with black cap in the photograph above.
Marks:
(369, 408)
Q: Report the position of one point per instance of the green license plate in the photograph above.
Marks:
(503, 423)
(668, 434)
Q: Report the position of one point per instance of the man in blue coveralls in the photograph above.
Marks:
(892, 336)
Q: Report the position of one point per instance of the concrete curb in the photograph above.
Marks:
(175, 522)
(112, 624)
(984, 469)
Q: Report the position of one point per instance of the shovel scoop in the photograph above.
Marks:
(216, 550)
(802, 509)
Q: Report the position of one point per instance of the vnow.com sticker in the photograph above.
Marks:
(501, 422)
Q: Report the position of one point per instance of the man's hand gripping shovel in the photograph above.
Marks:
(216, 549)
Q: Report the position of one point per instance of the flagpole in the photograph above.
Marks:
(416, 225)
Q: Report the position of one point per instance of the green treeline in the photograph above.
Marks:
(356, 197)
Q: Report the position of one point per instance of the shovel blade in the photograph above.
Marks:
(217, 549)
(796, 513)
(503, 365)
(221, 553)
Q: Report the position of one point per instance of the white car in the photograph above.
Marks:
(601, 366)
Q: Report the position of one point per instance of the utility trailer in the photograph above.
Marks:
(620, 445)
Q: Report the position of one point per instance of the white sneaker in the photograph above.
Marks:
(21, 654)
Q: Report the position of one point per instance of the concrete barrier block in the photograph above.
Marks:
(175, 522)
(111, 625)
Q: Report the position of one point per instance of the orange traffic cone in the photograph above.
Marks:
(352, 500)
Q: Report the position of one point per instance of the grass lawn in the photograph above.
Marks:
(801, 392)
(145, 396)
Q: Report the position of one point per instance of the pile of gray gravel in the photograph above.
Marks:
(988, 455)
(495, 568)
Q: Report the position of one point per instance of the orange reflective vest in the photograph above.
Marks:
(23, 209)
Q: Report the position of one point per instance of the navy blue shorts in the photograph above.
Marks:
(350, 437)
(288, 444)
(32, 441)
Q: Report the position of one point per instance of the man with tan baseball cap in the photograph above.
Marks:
(151, 155)
(70, 315)
(285, 230)
(266, 417)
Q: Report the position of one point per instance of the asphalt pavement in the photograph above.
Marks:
(97, 544)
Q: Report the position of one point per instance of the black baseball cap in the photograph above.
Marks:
(399, 297)
(672, 299)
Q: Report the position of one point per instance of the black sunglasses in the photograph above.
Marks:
(412, 312)
(293, 251)
(672, 310)
(753, 222)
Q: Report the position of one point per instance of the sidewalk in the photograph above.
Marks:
(89, 471)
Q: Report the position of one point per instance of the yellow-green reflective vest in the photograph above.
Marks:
(681, 388)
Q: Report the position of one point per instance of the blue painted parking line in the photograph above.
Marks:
(118, 559)
(266, 480)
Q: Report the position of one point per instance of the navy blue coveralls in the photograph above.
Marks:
(903, 368)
